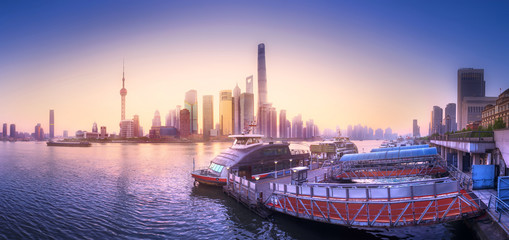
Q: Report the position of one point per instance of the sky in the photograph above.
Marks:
(375, 63)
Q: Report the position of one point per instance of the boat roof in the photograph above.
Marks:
(395, 154)
(246, 136)
(399, 148)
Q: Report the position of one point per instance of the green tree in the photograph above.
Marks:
(499, 124)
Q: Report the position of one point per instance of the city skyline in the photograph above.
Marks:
(344, 76)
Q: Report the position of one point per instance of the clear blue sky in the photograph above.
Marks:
(378, 63)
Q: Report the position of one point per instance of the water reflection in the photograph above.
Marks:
(143, 191)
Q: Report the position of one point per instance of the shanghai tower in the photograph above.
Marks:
(262, 92)
(262, 76)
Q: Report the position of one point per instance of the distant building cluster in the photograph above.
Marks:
(359, 132)
(473, 108)
(237, 114)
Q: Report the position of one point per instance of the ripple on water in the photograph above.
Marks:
(115, 191)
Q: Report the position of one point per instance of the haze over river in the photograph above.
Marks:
(119, 191)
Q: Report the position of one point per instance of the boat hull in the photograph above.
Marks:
(212, 181)
(60, 144)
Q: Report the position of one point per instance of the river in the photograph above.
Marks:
(133, 191)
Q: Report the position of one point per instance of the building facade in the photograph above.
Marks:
(226, 112)
(472, 108)
(185, 123)
(450, 118)
(499, 110)
(470, 84)
(246, 110)
(126, 128)
(416, 129)
(236, 110)
(282, 124)
(191, 104)
(436, 120)
(208, 116)
(51, 123)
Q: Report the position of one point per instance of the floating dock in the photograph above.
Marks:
(439, 197)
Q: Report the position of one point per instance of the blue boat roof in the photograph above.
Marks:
(406, 153)
(399, 148)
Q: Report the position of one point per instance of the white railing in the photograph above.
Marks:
(358, 191)
(243, 188)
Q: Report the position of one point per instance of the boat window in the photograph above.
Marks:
(252, 141)
(241, 141)
(216, 167)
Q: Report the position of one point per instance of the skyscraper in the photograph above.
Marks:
(126, 128)
(51, 123)
(282, 124)
(208, 116)
(416, 129)
(225, 112)
(436, 120)
(249, 84)
(191, 104)
(236, 110)
(136, 122)
(4, 130)
(470, 84)
(297, 126)
(272, 131)
(103, 132)
(263, 109)
(94, 127)
(185, 123)
(123, 93)
(38, 132)
(450, 114)
(156, 121)
(246, 110)
(262, 75)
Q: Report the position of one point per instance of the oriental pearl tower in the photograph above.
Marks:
(123, 93)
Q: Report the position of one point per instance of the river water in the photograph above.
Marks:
(133, 191)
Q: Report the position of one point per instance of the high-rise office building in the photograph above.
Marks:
(310, 129)
(436, 120)
(51, 123)
(450, 117)
(126, 128)
(156, 121)
(104, 134)
(246, 110)
(262, 75)
(249, 84)
(263, 124)
(94, 127)
(185, 123)
(416, 129)
(388, 134)
(226, 112)
(38, 132)
(272, 130)
(208, 116)
(236, 110)
(282, 124)
(470, 84)
(191, 104)
(136, 122)
(379, 134)
(297, 125)
(4, 130)
(65, 134)
(263, 108)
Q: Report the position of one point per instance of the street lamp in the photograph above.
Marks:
(275, 169)
(291, 162)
